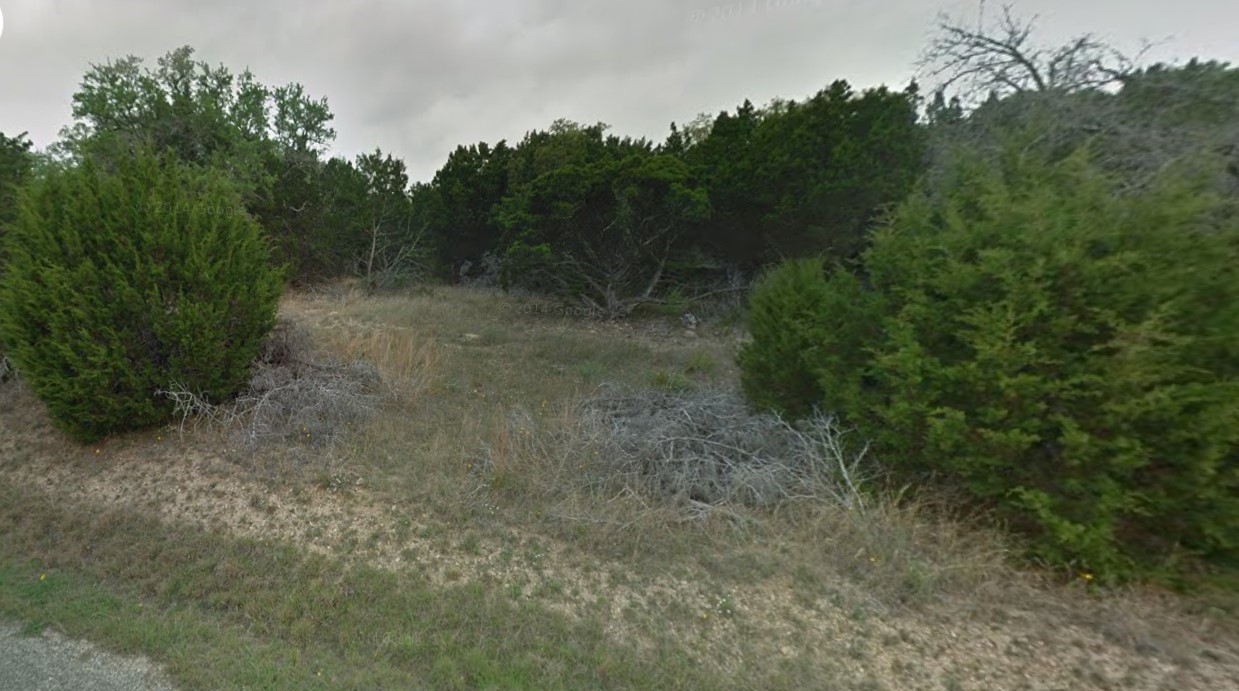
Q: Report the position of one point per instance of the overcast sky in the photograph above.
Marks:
(416, 78)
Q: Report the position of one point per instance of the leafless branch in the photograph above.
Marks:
(392, 256)
(1002, 59)
(293, 395)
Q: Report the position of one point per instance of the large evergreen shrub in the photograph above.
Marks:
(1062, 352)
(801, 318)
(131, 278)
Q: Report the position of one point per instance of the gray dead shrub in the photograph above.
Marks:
(709, 448)
(296, 395)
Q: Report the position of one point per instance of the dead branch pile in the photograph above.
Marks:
(708, 447)
(295, 395)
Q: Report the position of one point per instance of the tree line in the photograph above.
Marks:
(573, 210)
(615, 221)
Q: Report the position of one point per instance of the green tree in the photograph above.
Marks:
(803, 318)
(16, 164)
(289, 200)
(270, 141)
(460, 203)
(562, 144)
(833, 164)
(726, 160)
(394, 246)
(130, 278)
(601, 223)
(202, 113)
(798, 179)
(1060, 352)
(345, 205)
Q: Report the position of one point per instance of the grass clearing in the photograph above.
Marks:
(483, 528)
(309, 615)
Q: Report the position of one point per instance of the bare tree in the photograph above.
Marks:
(1139, 120)
(618, 270)
(394, 253)
(391, 257)
(1002, 59)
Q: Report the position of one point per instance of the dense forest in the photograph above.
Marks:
(1021, 280)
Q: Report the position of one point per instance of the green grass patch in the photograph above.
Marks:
(229, 613)
(199, 650)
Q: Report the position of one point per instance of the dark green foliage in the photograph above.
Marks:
(805, 178)
(600, 224)
(333, 251)
(801, 319)
(343, 211)
(1065, 354)
(829, 166)
(393, 247)
(268, 141)
(204, 114)
(15, 164)
(613, 221)
(126, 280)
(727, 160)
(461, 200)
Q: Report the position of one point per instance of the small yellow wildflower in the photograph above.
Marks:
(42, 576)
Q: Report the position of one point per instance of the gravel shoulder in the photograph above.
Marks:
(51, 662)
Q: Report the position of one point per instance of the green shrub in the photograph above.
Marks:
(670, 381)
(700, 362)
(1064, 353)
(802, 320)
(131, 278)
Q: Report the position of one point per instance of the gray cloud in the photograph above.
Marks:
(417, 78)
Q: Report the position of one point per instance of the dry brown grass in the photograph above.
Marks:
(485, 465)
